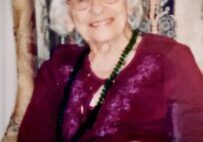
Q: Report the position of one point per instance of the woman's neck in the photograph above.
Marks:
(111, 47)
(104, 56)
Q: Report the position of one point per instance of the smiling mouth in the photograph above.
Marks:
(101, 22)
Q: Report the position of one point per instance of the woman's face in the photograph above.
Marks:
(101, 22)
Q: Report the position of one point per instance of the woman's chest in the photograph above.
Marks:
(136, 97)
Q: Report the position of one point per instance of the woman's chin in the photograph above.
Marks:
(101, 39)
(103, 36)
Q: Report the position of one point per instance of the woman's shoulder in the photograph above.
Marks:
(151, 37)
(62, 61)
(162, 44)
(66, 54)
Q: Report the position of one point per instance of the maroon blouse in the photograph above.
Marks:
(158, 97)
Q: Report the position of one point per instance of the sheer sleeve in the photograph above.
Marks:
(187, 98)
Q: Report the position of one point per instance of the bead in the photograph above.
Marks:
(122, 59)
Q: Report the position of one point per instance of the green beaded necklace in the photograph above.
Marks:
(117, 68)
(92, 115)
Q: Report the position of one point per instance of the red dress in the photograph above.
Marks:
(158, 97)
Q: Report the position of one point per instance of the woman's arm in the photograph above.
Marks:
(39, 121)
(187, 106)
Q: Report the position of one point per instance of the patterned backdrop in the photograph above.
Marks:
(178, 19)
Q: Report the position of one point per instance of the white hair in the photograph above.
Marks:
(60, 21)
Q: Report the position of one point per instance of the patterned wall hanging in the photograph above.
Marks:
(159, 17)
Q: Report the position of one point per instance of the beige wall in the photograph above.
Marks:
(189, 15)
(8, 75)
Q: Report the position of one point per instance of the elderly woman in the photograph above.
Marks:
(119, 86)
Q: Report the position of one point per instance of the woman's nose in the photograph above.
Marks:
(96, 6)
